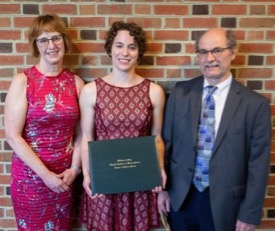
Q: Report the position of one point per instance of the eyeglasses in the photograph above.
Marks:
(216, 52)
(43, 42)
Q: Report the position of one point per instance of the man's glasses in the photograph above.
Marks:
(216, 52)
(43, 42)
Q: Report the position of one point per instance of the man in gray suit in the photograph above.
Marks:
(234, 174)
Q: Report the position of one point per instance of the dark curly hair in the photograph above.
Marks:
(48, 23)
(136, 31)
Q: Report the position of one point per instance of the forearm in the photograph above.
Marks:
(27, 155)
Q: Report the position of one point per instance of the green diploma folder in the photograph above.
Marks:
(124, 165)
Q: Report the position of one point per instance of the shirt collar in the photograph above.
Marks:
(221, 86)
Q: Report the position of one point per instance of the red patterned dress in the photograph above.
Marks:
(122, 113)
(51, 116)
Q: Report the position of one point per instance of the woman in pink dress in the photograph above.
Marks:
(122, 104)
(41, 123)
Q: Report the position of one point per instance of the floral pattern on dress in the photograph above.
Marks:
(52, 113)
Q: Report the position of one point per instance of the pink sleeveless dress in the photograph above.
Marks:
(51, 117)
(122, 113)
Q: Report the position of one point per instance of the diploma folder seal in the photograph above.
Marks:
(124, 165)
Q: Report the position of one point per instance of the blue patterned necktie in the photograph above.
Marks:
(206, 139)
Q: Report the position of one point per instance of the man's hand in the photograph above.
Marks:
(163, 202)
(241, 226)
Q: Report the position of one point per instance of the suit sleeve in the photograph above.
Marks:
(258, 166)
(167, 132)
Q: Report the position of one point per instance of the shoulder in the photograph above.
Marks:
(20, 80)
(89, 89)
(156, 88)
(246, 92)
(79, 81)
(191, 82)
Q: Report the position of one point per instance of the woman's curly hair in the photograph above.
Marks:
(135, 30)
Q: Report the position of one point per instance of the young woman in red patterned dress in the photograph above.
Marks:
(122, 104)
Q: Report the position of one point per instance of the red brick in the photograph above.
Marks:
(239, 60)
(171, 35)
(260, 73)
(171, 10)
(71, 60)
(256, 48)
(271, 191)
(172, 23)
(11, 60)
(5, 72)
(22, 48)
(4, 86)
(67, 9)
(255, 35)
(90, 60)
(125, 9)
(229, 9)
(5, 22)
(155, 47)
(87, 9)
(174, 73)
(10, 9)
(21, 22)
(5, 179)
(147, 22)
(191, 73)
(142, 9)
(271, 181)
(5, 201)
(150, 73)
(1, 213)
(198, 23)
(271, 10)
(267, 224)
(10, 34)
(173, 60)
(88, 47)
(91, 22)
(269, 202)
(270, 35)
(7, 223)
(9, 212)
(256, 22)
(270, 60)
(270, 84)
(5, 156)
(105, 60)
(257, 9)
(91, 72)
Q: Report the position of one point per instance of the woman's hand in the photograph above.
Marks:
(68, 176)
(55, 183)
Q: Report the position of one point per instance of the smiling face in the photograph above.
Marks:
(124, 52)
(216, 68)
(52, 53)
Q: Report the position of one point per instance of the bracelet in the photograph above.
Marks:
(77, 169)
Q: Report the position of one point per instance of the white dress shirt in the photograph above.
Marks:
(220, 96)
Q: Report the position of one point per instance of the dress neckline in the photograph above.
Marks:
(123, 87)
(47, 76)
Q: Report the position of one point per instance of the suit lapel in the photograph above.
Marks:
(196, 100)
(232, 102)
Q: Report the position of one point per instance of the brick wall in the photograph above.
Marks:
(171, 27)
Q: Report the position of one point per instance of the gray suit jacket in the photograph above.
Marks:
(239, 165)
